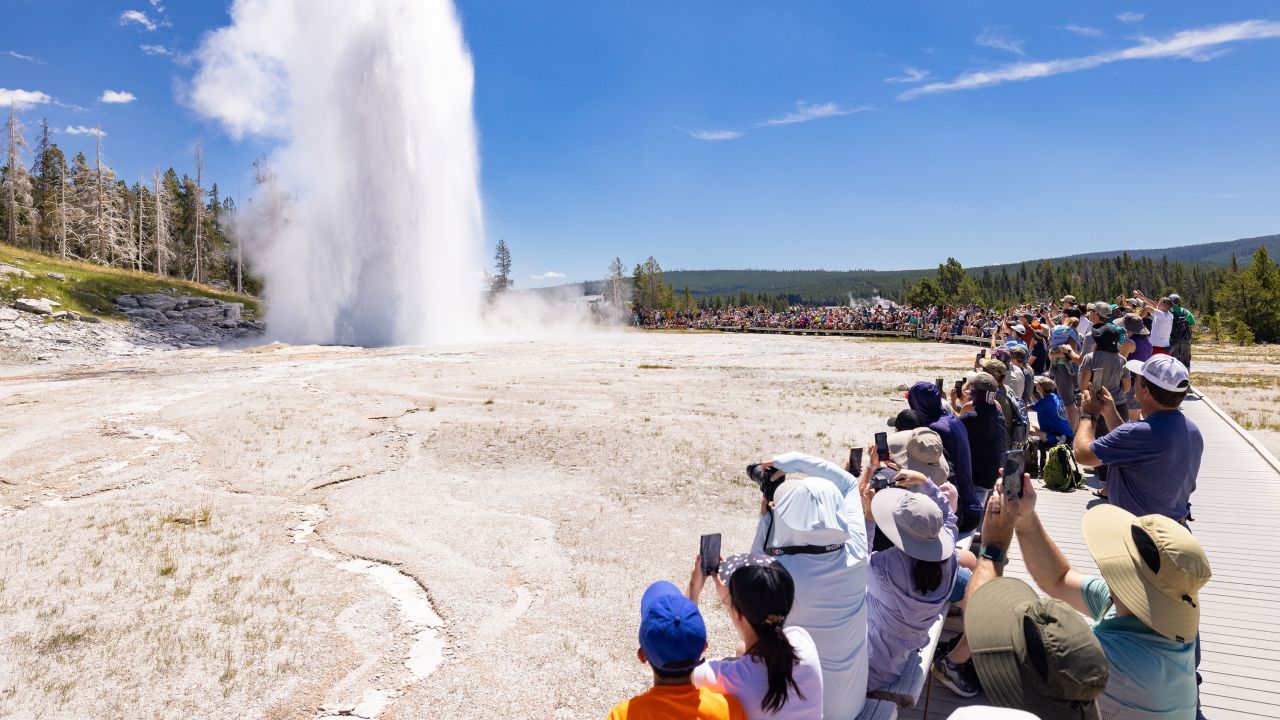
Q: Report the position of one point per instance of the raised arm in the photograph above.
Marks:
(817, 467)
(1046, 563)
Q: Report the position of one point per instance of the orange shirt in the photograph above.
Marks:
(678, 702)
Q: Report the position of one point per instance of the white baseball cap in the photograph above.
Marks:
(1164, 371)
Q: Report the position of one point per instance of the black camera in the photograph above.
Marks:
(765, 478)
(883, 477)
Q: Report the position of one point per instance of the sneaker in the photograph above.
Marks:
(970, 672)
(953, 677)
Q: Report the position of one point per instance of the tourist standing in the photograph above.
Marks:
(1153, 462)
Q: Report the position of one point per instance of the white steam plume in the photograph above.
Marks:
(371, 101)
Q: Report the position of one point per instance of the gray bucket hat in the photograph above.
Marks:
(913, 522)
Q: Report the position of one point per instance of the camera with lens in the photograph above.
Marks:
(883, 477)
(767, 478)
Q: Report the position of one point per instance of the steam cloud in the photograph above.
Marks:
(375, 235)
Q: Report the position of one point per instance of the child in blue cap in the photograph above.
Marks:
(672, 640)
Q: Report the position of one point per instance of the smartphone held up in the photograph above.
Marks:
(709, 549)
(883, 475)
(1014, 465)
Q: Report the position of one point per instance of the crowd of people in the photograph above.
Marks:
(852, 565)
(1167, 323)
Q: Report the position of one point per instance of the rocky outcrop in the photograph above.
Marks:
(15, 272)
(41, 306)
(189, 320)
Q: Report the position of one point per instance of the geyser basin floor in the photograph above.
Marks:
(532, 489)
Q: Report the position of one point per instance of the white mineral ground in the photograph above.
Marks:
(408, 533)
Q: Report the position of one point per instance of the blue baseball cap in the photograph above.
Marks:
(672, 633)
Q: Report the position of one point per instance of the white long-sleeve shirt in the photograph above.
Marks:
(831, 588)
(1161, 327)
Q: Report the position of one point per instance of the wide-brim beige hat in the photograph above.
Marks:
(1153, 565)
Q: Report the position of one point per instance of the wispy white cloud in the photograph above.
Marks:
(1083, 30)
(909, 75)
(82, 130)
(999, 38)
(716, 134)
(19, 56)
(138, 17)
(548, 275)
(116, 97)
(805, 112)
(177, 57)
(1199, 44)
(23, 98)
(1130, 17)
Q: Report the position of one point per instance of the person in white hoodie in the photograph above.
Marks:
(814, 527)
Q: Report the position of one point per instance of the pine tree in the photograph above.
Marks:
(21, 218)
(49, 192)
(501, 281)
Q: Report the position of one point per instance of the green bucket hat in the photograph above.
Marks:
(1033, 653)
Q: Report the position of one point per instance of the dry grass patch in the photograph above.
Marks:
(120, 611)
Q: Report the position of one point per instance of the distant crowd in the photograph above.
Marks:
(854, 564)
(1169, 324)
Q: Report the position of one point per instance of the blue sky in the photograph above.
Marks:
(759, 134)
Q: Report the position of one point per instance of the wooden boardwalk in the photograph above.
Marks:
(908, 334)
(1237, 518)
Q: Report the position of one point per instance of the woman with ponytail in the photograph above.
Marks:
(777, 674)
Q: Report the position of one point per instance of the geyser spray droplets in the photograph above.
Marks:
(372, 103)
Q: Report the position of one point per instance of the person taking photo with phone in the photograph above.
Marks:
(777, 673)
(1144, 603)
(813, 526)
(1153, 461)
(912, 580)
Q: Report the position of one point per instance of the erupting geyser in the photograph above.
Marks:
(378, 241)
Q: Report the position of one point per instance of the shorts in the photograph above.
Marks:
(961, 584)
(1064, 376)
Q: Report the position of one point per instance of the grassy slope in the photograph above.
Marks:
(90, 289)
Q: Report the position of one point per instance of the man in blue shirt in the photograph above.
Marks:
(1152, 462)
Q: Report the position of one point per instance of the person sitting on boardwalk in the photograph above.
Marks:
(778, 673)
(926, 400)
(1034, 653)
(672, 640)
(988, 438)
(1029, 652)
(1052, 426)
(911, 580)
(1145, 605)
(814, 527)
(1153, 462)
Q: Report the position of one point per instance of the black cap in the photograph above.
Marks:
(906, 420)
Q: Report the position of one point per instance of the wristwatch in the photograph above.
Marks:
(1086, 416)
(994, 554)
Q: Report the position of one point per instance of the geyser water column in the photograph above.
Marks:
(371, 104)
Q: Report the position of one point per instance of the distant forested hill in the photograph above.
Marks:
(1217, 253)
(829, 287)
